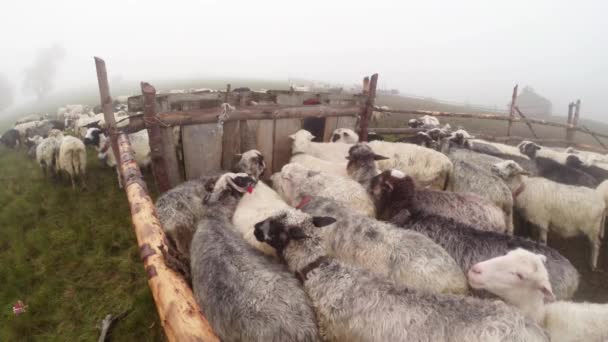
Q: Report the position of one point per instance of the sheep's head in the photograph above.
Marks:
(361, 162)
(288, 225)
(362, 152)
(528, 148)
(93, 137)
(252, 163)
(392, 186)
(286, 183)
(299, 140)
(415, 123)
(230, 185)
(508, 169)
(513, 276)
(573, 160)
(345, 135)
(55, 133)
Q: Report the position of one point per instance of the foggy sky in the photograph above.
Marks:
(466, 50)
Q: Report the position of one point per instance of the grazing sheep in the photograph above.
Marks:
(382, 249)
(567, 210)
(10, 138)
(244, 295)
(139, 142)
(521, 279)
(552, 165)
(72, 159)
(355, 305)
(180, 208)
(392, 191)
(302, 143)
(256, 206)
(47, 152)
(599, 173)
(296, 181)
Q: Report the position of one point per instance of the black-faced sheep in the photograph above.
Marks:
(355, 305)
(521, 279)
(10, 138)
(244, 295)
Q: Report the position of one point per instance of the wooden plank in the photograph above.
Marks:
(511, 110)
(180, 314)
(170, 146)
(202, 146)
(264, 141)
(282, 143)
(248, 134)
(269, 112)
(330, 126)
(231, 144)
(159, 167)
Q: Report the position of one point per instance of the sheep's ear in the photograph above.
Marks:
(379, 157)
(322, 221)
(547, 293)
(296, 233)
(292, 137)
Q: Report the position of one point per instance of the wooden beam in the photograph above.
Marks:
(511, 110)
(526, 121)
(271, 112)
(368, 107)
(569, 130)
(179, 313)
(107, 107)
(159, 165)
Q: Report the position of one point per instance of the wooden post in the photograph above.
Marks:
(159, 166)
(512, 109)
(179, 313)
(368, 107)
(569, 129)
(107, 108)
(227, 96)
(365, 85)
(577, 112)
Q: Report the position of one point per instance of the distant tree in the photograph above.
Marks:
(7, 92)
(40, 76)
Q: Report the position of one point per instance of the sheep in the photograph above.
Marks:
(344, 135)
(29, 118)
(504, 152)
(598, 172)
(244, 295)
(302, 143)
(10, 138)
(567, 210)
(353, 304)
(466, 208)
(589, 158)
(296, 181)
(320, 165)
(425, 121)
(258, 205)
(420, 139)
(180, 208)
(521, 279)
(32, 144)
(47, 151)
(139, 142)
(382, 249)
(72, 159)
(552, 165)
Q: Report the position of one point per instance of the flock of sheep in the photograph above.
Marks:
(383, 241)
(58, 143)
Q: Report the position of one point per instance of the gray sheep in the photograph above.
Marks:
(467, 208)
(469, 245)
(383, 249)
(245, 295)
(355, 305)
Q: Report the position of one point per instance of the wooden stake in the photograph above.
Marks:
(159, 165)
(511, 109)
(179, 313)
(368, 108)
(569, 130)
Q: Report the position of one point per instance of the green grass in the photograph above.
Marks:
(70, 256)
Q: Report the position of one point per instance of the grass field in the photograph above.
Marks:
(70, 256)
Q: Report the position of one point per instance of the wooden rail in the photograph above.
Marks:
(179, 313)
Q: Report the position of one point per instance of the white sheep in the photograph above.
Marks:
(344, 135)
(333, 152)
(295, 182)
(427, 167)
(567, 210)
(521, 279)
(72, 159)
(320, 165)
(139, 142)
(258, 205)
(47, 151)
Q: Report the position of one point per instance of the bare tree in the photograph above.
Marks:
(40, 76)
(7, 92)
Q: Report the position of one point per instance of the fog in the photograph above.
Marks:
(468, 51)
